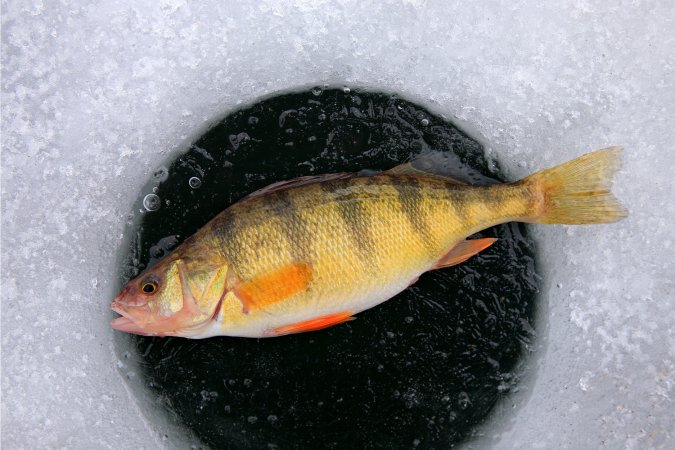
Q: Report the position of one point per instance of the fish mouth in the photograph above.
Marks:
(126, 323)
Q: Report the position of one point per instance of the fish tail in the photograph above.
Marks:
(578, 191)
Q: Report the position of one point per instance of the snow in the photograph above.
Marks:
(95, 95)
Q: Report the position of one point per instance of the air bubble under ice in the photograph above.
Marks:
(152, 202)
(195, 183)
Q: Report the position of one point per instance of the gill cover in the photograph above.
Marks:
(173, 310)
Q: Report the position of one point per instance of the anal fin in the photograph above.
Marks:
(463, 251)
(314, 324)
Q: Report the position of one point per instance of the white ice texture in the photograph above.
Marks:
(95, 95)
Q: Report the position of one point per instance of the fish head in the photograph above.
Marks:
(179, 296)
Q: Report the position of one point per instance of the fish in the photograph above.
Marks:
(310, 253)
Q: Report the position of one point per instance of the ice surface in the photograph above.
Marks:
(96, 94)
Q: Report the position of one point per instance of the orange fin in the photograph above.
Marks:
(314, 324)
(463, 251)
(274, 286)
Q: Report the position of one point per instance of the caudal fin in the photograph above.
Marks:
(578, 191)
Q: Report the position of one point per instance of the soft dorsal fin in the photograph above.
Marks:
(301, 181)
(443, 165)
(409, 169)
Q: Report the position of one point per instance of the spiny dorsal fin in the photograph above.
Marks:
(301, 181)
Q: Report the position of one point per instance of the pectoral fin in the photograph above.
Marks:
(314, 324)
(463, 251)
(273, 286)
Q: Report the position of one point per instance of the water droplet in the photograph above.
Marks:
(156, 252)
(161, 174)
(322, 116)
(463, 400)
(424, 122)
(346, 90)
(272, 418)
(155, 189)
(503, 387)
(195, 183)
(238, 139)
(252, 419)
(151, 202)
(317, 91)
(253, 120)
(311, 138)
(408, 319)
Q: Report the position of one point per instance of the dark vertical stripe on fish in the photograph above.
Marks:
(355, 216)
(293, 226)
(456, 200)
(227, 228)
(411, 199)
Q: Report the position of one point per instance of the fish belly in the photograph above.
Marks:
(303, 308)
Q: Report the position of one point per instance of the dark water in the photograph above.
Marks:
(421, 370)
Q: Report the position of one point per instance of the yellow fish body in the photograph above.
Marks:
(310, 253)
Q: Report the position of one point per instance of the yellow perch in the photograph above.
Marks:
(309, 253)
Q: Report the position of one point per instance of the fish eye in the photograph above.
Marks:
(149, 286)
